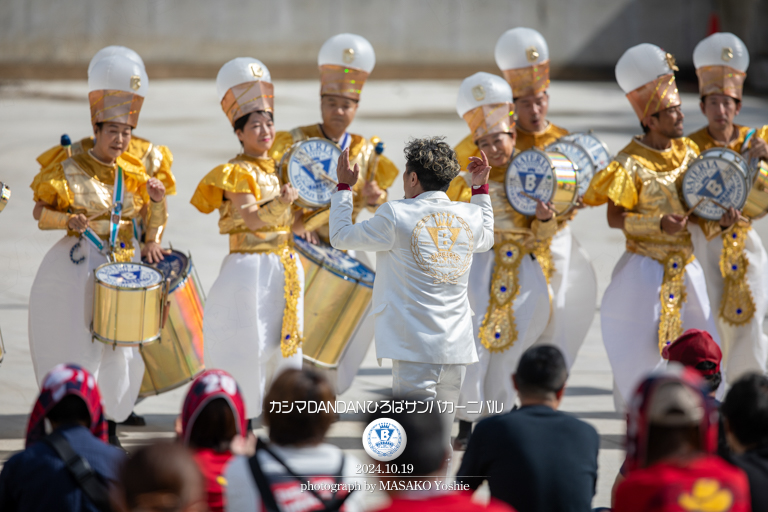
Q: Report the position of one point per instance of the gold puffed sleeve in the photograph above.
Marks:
(135, 176)
(283, 142)
(459, 189)
(50, 186)
(386, 172)
(225, 178)
(614, 183)
(465, 149)
(55, 155)
(163, 173)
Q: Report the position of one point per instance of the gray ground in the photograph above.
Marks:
(185, 116)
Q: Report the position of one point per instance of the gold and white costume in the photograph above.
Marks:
(254, 312)
(734, 261)
(345, 62)
(507, 289)
(61, 299)
(523, 56)
(657, 288)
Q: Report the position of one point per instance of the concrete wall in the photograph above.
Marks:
(407, 34)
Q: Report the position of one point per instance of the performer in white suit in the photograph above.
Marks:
(424, 248)
(507, 288)
(657, 289)
(737, 277)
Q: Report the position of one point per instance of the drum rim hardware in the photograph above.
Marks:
(712, 154)
(571, 204)
(283, 165)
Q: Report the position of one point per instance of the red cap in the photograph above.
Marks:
(694, 347)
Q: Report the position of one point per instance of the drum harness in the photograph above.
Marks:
(115, 211)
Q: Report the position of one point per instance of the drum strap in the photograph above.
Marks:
(117, 207)
(81, 471)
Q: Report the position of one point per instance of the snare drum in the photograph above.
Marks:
(178, 357)
(5, 195)
(337, 297)
(547, 176)
(718, 175)
(128, 303)
(596, 148)
(582, 162)
(756, 205)
(310, 167)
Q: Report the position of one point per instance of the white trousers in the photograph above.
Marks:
(630, 314)
(745, 347)
(428, 382)
(574, 296)
(243, 321)
(60, 317)
(488, 383)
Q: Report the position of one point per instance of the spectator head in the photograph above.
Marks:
(213, 412)
(309, 425)
(541, 375)
(670, 415)
(430, 164)
(745, 411)
(69, 396)
(696, 349)
(424, 448)
(162, 477)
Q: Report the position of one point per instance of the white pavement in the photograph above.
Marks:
(184, 115)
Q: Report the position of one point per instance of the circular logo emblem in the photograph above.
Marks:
(384, 439)
(128, 275)
(714, 184)
(309, 166)
(442, 245)
(580, 159)
(529, 176)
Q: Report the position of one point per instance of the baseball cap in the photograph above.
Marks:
(673, 404)
(694, 347)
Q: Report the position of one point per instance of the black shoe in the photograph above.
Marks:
(134, 420)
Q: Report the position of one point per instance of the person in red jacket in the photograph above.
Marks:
(671, 437)
(212, 418)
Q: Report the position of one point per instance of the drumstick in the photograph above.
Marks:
(689, 212)
(256, 203)
(529, 196)
(720, 205)
(98, 214)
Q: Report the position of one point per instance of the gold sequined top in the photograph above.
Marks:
(528, 140)
(646, 182)
(245, 175)
(82, 184)
(508, 223)
(360, 152)
(704, 140)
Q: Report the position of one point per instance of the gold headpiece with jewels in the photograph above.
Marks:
(248, 97)
(721, 79)
(491, 118)
(109, 105)
(341, 80)
(529, 80)
(655, 96)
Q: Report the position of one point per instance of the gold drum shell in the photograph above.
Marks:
(757, 201)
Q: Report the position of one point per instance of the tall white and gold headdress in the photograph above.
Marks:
(244, 85)
(485, 103)
(116, 89)
(345, 62)
(522, 55)
(721, 62)
(646, 74)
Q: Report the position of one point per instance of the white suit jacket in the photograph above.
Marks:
(424, 249)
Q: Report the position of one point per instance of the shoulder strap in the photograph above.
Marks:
(267, 497)
(82, 472)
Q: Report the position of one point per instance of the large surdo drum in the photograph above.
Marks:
(310, 167)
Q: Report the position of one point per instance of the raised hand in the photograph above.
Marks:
(155, 189)
(345, 174)
(480, 169)
(288, 194)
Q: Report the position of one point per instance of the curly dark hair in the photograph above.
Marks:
(433, 161)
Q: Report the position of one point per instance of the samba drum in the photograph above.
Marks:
(310, 167)
(177, 357)
(128, 304)
(547, 176)
(756, 205)
(337, 297)
(5, 195)
(716, 180)
(580, 158)
(597, 150)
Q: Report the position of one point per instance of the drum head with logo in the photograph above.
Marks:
(336, 261)
(128, 275)
(308, 161)
(580, 158)
(174, 266)
(715, 178)
(597, 150)
(529, 175)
